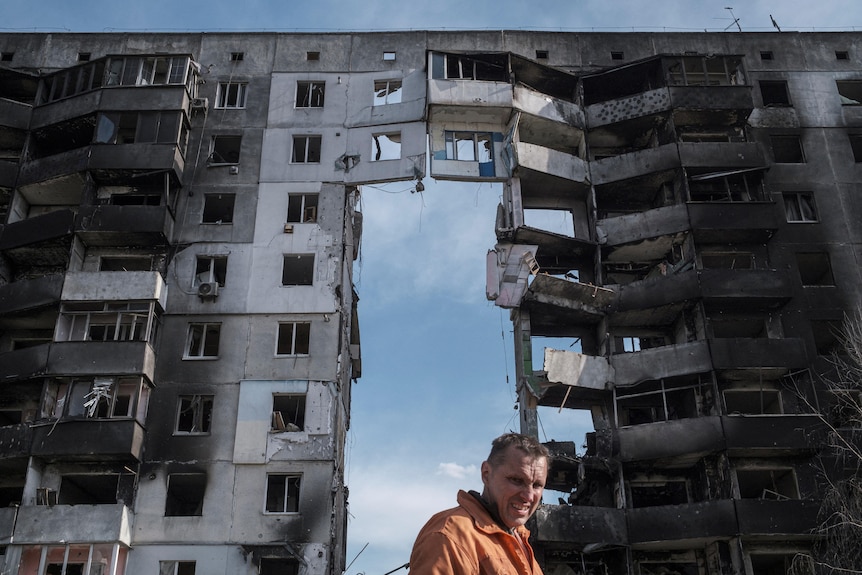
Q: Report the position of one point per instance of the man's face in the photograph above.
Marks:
(514, 487)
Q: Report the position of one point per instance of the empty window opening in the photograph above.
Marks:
(787, 149)
(282, 493)
(278, 566)
(385, 147)
(662, 400)
(302, 208)
(752, 401)
(727, 260)
(387, 92)
(767, 484)
(310, 94)
(815, 269)
(827, 339)
(556, 221)
(185, 494)
(469, 146)
(225, 150)
(176, 568)
(107, 321)
(101, 398)
(774, 93)
(541, 54)
(312, 56)
(388, 56)
(293, 338)
(6, 56)
(84, 56)
(140, 199)
(656, 493)
(781, 564)
(483, 67)
(125, 264)
(231, 95)
(766, 55)
(237, 56)
(288, 412)
(194, 414)
(298, 269)
(842, 55)
(202, 340)
(743, 186)
(617, 55)
(218, 208)
(850, 92)
(799, 207)
(738, 328)
(856, 147)
(87, 489)
(210, 269)
(306, 149)
(138, 128)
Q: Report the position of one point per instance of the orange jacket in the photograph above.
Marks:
(467, 541)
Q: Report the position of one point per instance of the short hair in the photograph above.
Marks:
(529, 445)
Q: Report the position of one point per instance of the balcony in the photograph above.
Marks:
(579, 525)
(114, 286)
(15, 114)
(689, 439)
(108, 225)
(676, 525)
(469, 101)
(15, 441)
(691, 103)
(772, 435)
(733, 222)
(22, 364)
(745, 290)
(772, 355)
(659, 362)
(25, 295)
(633, 164)
(553, 302)
(43, 524)
(647, 225)
(560, 165)
(721, 154)
(89, 440)
(101, 358)
(45, 239)
(787, 519)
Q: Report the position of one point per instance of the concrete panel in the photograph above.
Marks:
(667, 361)
(114, 286)
(669, 439)
(580, 526)
(678, 523)
(43, 524)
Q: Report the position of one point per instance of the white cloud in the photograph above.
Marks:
(457, 471)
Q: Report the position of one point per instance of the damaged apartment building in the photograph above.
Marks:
(178, 322)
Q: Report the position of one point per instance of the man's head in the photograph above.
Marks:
(514, 477)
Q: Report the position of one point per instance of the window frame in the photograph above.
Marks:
(312, 143)
(231, 95)
(453, 139)
(232, 143)
(282, 424)
(383, 146)
(205, 329)
(300, 338)
(289, 505)
(202, 411)
(304, 271)
(386, 87)
(219, 209)
(310, 94)
(215, 272)
(301, 209)
(800, 208)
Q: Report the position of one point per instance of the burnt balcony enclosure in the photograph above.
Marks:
(24, 295)
(787, 518)
(772, 435)
(44, 524)
(23, 364)
(89, 440)
(692, 524)
(733, 222)
(772, 355)
(42, 241)
(678, 441)
(579, 526)
(554, 303)
(110, 225)
(16, 441)
(745, 289)
(98, 358)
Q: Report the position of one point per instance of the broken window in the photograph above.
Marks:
(302, 208)
(306, 149)
(727, 260)
(774, 93)
(73, 81)
(662, 400)
(826, 338)
(469, 146)
(7, 56)
(703, 71)
(850, 92)
(752, 401)
(176, 568)
(799, 207)
(293, 338)
(733, 186)
(310, 94)
(202, 341)
(185, 494)
(387, 92)
(218, 208)
(298, 269)
(210, 269)
(288, 412)
(107, 321)
(194, 414)
(856, 147)
(815, 269)
(787, 149)
(231, 94)
(72, 559)
(282, 493)
(617, 55)
(766, 55)
(484, 67)
(145, 71)
(88, 489)
(312, 56)
(645, 493)
(774, 483)
(96, 398)
(141, 199)
(125, 263)
(385, 146)
(225, 150)
(278, 566)
(781, 564)
(742, 327)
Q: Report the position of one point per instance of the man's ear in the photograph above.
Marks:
(486, 469)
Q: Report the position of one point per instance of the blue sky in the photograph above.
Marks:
(438, 365)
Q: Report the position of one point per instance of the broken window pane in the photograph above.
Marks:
(387, 92)
(210, 269)
(203, 340)
(185, 494)
(767, 484)
(225, 150)
(176, 568)
(288, 412)
(799, 207)
(302, 208)
(194, 414)
(385, 147)
(218, 208)
(310, 94)
(298, 269)
(282, 493)
(752, 401)
(293, 338)
(850, 92)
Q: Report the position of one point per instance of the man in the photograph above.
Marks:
(485, 534)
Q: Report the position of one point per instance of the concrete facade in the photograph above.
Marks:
(178, 332)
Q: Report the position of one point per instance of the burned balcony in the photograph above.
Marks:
(678, 441)
(745, 289)
(559, 169)
(687, 524)
(25, 363)
(89, 440)
(786, 518)
(733, 222)
(554, 302)
(101, 358)
(42, 241)
(579, 526)
(111, 225)
(45, 524)
(776, 356)
(661, 362)
(772, 435)
(635, 164)
(24, 295)
(644, 236)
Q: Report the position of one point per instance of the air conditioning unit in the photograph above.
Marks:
(208, 289)
(200, 103)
